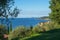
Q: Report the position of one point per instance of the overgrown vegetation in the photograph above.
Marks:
(55, 11)
(3, 30)
(22, 33)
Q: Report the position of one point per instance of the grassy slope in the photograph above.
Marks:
(50, 35)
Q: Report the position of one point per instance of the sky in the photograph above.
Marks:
(32, 8)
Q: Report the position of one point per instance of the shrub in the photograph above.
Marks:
(20, 32)
(3, 30)
(37, 29)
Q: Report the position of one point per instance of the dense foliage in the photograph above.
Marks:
(3, 30)
(20, 32)
(55, 11)
(6, 8)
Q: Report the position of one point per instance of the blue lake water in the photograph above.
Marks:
(26, 22)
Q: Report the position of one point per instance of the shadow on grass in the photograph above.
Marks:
(49, 35)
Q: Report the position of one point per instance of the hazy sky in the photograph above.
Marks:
(33, 8)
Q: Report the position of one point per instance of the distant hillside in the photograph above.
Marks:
(44, 18)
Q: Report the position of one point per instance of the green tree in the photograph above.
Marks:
(55, 11)
(7, 10)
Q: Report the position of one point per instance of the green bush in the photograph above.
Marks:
(3, 30)
(45, 27)
(53, 25)
(20, 32)
(37, 29)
